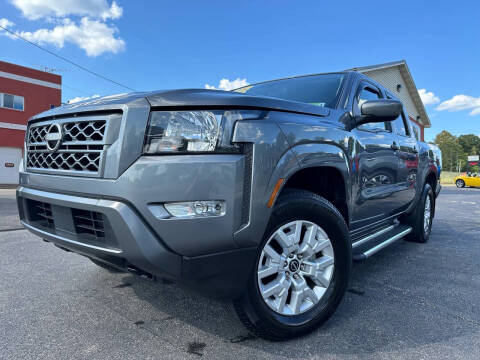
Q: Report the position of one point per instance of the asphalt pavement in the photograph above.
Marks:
(410, 301)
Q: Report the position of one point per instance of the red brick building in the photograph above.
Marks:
(24, 92)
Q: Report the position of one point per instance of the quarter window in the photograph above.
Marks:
(400, 126)
(416, 130)
(12, 101)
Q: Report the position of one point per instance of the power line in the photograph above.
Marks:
(67, 60)
(75, 89)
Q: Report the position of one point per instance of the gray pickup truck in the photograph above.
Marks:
(264, 195)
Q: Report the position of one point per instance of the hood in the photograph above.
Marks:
(218, 98)
(185, 98)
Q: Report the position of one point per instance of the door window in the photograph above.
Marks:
(367, 94)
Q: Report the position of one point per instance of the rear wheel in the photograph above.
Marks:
(460, 183)
(421, 219)
(302, 269)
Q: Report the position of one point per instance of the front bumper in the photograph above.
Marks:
(198, 252)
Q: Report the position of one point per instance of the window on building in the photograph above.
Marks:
(8, 101)
(12, 101)
(18, 102)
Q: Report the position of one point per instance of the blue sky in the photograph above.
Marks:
(150, 45)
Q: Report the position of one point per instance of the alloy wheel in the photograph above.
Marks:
(427, 215)
(295, 268)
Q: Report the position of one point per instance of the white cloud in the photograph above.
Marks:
(228, 85)
(91, 32)
(428, 98)
(461, 102)
(37, 9)
(5, 23)
(80, 98)
(93, 36)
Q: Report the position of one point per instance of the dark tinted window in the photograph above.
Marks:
(320, 90)
(364, 95)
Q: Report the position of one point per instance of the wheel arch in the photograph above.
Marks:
(293, 160)
(322, 169)
(431, 179)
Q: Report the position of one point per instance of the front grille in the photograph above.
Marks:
(65, 161)
(41, 214)
(88, 223)
(73, 131)
(80, 151)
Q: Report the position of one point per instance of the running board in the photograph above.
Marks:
(366, 247)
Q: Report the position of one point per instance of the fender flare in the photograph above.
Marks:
(294, 159)
(312, 155)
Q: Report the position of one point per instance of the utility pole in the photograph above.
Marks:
(451, 161)
(458, 162)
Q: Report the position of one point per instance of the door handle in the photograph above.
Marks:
(394, 146)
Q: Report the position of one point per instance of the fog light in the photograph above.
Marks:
(193, 209)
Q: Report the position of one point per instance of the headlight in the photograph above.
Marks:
(194, 131)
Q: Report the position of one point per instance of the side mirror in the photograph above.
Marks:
(381, 110)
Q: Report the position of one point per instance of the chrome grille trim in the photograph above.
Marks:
(81, 152)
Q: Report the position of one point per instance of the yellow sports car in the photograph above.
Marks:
(467, 180)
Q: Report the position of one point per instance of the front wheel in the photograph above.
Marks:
(302, 269)
(460, 183)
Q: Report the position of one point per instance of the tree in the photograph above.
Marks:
(470, 144)
(452, 152)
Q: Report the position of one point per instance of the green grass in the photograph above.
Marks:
(447, 177)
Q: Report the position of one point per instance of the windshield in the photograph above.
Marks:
(320, 90)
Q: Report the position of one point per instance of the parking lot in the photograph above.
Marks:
(409, 301)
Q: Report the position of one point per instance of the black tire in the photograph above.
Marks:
(262, 321)
(416, 219)
(460, 183)
(107, 267)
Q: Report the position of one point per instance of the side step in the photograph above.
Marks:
(373, 243)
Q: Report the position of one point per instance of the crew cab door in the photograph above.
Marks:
(375, 165)
(407, 154)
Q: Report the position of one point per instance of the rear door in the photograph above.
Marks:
(375, 165)
(407, 154)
